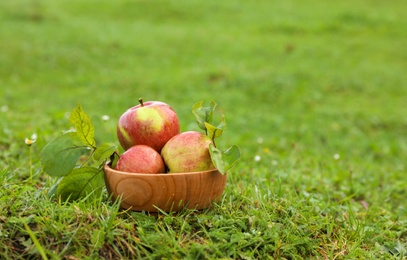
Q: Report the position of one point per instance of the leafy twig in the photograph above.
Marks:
(61, 157)
(223, 160)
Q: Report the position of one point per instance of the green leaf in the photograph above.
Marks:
(215, 131)
(80, 183)
(60, 155)
(224, 160)
(222, 124)
(203, 114)
(83, 126)
(199, 114)
(104, 151)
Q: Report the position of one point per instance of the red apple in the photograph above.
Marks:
(140, 159)
(188, 152)
(150, 123)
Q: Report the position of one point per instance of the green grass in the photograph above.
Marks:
(314, 94)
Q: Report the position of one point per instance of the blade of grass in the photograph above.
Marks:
(36, 242)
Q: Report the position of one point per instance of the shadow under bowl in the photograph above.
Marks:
(170, 192)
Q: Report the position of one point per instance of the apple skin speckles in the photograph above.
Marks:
(151, 123)
(188, 152)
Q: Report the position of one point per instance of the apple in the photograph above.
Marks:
(140, 159)
(187, 152)
(150, 123)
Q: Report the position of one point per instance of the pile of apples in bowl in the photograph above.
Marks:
(163, 169)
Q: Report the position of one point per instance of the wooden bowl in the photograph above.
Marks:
(168, 192)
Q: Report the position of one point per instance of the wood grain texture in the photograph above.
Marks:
(169, 192)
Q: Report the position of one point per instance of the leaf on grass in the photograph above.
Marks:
(203, 114)
(224, 160)
(60, 155)
(103, 152)
(80, 183)
(83, 126)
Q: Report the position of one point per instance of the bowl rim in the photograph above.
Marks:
(109, 166)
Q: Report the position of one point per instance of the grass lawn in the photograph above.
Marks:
(314, 94)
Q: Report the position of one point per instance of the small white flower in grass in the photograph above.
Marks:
(4, 108)
(337, 156)
(260, 140)
(257, 158)
(29, 142)
(105, 118)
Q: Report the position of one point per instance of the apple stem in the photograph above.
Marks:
(141, 102)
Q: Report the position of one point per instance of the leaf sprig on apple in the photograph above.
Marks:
(150, 136)
(223, 160)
